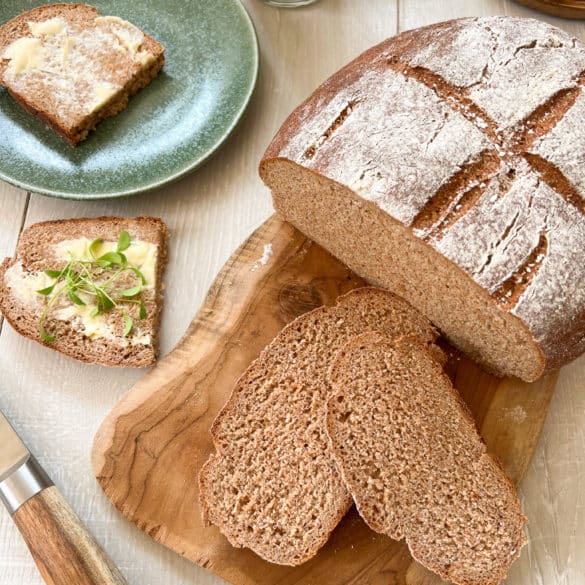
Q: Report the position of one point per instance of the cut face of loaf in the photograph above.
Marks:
(415, 465)
(272, 486)
(72, 68)
(447, 165)
(100, 339)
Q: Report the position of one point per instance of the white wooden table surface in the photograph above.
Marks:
(57, 404)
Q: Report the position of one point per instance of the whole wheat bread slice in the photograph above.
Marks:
(85, 68)
(36, 252)
(272, 486)
(415, 465)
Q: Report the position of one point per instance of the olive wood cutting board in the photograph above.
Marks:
(148, 450)
(562, 8)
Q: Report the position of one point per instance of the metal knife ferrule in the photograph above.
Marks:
(22, 484)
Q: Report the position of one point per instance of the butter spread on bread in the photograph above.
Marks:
(72, 67)
(44, 298)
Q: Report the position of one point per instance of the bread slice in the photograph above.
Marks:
(72, 68)
(415, 465)
(101, 339)
(272, 486)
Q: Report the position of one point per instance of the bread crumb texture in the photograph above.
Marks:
(415, 465)
(273, 486)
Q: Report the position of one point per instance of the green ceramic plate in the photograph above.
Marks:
(169, 127)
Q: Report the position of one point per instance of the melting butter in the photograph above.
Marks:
(140, 254)
(24, 285)
(49, 27)
(129, 36)
(83, 321)
(24, 54)
(103, 92)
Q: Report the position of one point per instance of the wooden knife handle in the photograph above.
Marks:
(63, 549)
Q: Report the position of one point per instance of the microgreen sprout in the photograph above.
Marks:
(80, 279)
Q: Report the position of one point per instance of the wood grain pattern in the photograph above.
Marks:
(563, 8)
(148, 451)
(62, 548)
(209, 213)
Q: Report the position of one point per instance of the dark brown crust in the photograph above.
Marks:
(18, 27)
(29, 252)
(375, 56)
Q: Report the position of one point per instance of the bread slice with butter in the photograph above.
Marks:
(71, 67)
(123, 335)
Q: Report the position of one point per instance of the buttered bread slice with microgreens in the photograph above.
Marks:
(72, 68)
(89, 288)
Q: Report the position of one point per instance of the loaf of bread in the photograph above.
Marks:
(72, 68)
(410, 455)
(125, 335)
(272, 486)
(447, 165)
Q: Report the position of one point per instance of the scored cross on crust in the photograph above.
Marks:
(469, 133)
(499, 161)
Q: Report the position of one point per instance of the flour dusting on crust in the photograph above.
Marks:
(418, 110)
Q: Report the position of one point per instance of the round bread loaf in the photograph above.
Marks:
(447, 164)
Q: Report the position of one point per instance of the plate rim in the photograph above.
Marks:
(193, 165)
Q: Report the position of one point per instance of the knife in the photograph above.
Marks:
(61, 546)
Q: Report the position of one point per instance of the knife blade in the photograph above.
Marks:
(13, 453)
(21, 477)
(61, 546)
